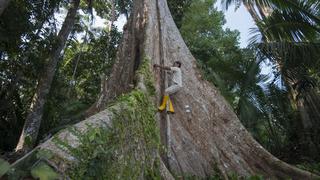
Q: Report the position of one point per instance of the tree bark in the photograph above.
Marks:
(208, 140)
(3, 5)
(128, 59)
(31, 127)
(211, 134)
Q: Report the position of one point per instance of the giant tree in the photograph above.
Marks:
(204, 141)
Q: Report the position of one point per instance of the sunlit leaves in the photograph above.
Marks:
(4, 167)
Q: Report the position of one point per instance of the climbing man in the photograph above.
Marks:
(176, 77)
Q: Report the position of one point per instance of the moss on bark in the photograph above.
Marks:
(125, 151)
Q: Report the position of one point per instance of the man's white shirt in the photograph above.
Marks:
(176, 75)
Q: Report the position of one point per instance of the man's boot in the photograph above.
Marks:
(164, 103)
(170, 106)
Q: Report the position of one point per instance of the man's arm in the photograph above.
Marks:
(162, 67)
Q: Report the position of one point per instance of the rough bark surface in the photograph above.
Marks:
(208, 140)
(211, 136)
(128, 60)
(31, 126)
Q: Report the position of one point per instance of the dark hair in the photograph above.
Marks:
(179, 63)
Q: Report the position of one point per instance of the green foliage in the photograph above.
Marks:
(4, 167)
(35, 164)
(44, 154)
(28, 140)
(290, 38)
(144, 71)
(76, 84)
(177, 9)
(25, 37)
(295, 20)
(232, 70)
(215, 49)
(43, 172)
(255, 177)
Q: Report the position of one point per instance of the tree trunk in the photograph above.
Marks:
(3, 5)
(307, 102)
(209, 140)
(128, 55)
(31, 127)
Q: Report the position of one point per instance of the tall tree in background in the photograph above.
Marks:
(32, 123)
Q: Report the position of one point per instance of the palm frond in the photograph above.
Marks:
(292, 54)
(226, 3)
(295, 20)
(288, 26)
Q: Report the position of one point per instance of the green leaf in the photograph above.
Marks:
(44, 154)
(44, 172)
(255, 177)
(4, 167)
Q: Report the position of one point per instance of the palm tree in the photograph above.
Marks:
(302, 15)
(289, 41)
(288, 30)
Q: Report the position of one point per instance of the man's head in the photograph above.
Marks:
(177, 64)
